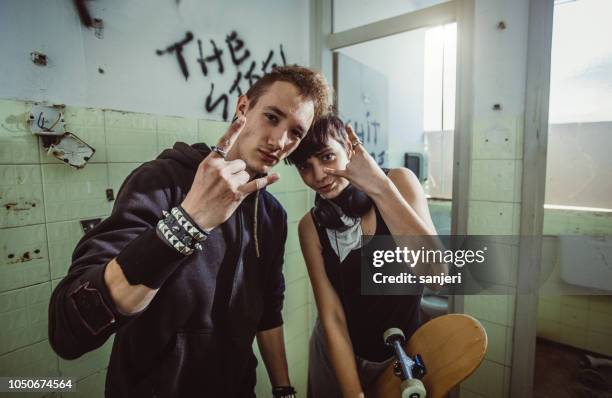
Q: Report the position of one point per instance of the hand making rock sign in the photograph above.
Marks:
(362, 170)
(220, 185)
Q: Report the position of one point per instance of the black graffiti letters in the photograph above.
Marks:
(368, 134)
(211, 105)
(266, 63)
(236, 84)
(216, 56)
(177, 48)
(244, 66)
(235, 44)
(250, 76)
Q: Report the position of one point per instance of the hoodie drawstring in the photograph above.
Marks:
(255, 224)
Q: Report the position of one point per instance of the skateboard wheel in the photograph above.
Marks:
(413, 388)
(393, 333)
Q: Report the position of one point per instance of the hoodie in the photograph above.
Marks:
(195, 336)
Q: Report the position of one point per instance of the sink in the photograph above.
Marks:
(586, 261)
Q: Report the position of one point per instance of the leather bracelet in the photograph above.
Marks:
(173, 240)
(178, 230)
(284, 392)
(189, 224)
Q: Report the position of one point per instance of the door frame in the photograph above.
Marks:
(535, 143)
(324, 41)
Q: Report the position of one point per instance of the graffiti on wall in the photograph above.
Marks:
(368, 129)
(214, 59)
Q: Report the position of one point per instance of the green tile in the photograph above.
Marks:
(293, 240)
(573, 336)
(599, 342)
(12, 300)
(549, 310)
(24, 258)
(75, 194)
(17, 143)
(495, 308)
(487, 380)
(295, 203)
(33, 360)
(549, 330)
(21, 195)
(296, 294)
(83, 117)
(496, 342)
(496, 138)
(209, 131)
(294, 267)
(177, 124)
(493, 180)
(295, 322)
(572, 316)
(600, 322)
(118, 172)
(297, 348)
(555, 222)
(90, 386)
(492, 218)
(172, 129)
(27, 323)
(130, 145)
(167, 139)
(130, 120)
(601, 304)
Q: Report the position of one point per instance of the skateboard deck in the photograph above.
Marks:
(452, 347)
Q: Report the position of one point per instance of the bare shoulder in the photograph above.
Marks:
(402, 174)
(307, 231)
(406, 181)
(306, 223)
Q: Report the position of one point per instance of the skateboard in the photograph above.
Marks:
(440, 355)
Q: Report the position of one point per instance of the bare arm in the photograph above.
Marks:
(400, 199)
(331, 312)
(272, 347)
(129, 299)
(402, 204)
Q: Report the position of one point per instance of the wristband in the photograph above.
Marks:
(177, 229)
(189, 224)
(284, 392)
(148, 260)
(172, 236)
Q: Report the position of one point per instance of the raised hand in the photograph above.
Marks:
(362, 170)
(220, 185)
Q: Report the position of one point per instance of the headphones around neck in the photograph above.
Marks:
(353, 202)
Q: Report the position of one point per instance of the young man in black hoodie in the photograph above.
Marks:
(187, 269)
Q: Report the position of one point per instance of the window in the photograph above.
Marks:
(579, 165)
(439, 108)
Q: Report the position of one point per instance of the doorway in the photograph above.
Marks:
(574, 318)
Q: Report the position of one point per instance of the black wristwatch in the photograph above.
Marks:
(284, 392)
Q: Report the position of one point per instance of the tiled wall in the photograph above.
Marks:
(494, 209)
(496, 313)
(42, 201)
(582, 321)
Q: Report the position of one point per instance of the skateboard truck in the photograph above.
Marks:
(409, 370)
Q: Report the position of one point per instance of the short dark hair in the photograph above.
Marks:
(310, 83)
(328, 126)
